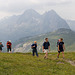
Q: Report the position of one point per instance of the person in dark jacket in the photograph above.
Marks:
(58, 41)
(61, 47)
(46, 47)
(1, 45)
(34, 48)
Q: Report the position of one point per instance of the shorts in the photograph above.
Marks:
(45, 50)
(60, 51)
(0, 49)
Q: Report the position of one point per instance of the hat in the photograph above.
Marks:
(9, 40)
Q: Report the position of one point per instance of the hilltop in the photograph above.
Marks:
(26, 64)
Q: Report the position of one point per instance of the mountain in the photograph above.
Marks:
(52, 21)
(30, 23)
(71, 24)
(24, 44)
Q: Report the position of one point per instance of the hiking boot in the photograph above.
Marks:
(57, 57)
(45, 57)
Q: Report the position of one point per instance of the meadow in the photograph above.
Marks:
(26, 64)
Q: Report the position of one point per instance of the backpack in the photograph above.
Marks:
(57, 44)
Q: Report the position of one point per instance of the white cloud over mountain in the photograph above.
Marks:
(10, 7)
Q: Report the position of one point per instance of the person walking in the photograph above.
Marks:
(9, 46)
(34, 48)
(1, 45)
(46, 47)
(61, 48)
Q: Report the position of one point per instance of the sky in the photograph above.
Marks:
(65, 8)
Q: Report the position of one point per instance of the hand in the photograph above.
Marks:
(33, 46)
(43, 50)
(58, 50)
(49, 50)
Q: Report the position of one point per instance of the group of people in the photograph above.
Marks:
(8, 44)
(46, 48)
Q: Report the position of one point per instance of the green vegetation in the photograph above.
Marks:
(26, 64)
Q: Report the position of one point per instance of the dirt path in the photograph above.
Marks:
(71, 62)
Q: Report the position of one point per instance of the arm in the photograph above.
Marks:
(49, 48)
(32, 46)
(6, 44)
(11, 46)
(2, 45)
(58, 48)
(63, 46)
(43, 48)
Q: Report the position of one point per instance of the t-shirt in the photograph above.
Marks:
(46, 45)
(9, 44)
(34, 45)
(61, 45)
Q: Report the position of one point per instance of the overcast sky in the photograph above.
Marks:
(65, 8)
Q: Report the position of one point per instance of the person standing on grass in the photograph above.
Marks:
(34, 48)
(1, 45)
(46, 47)
(9, 46)
(61, 48)
(58, 42)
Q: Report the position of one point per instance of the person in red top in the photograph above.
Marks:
(9, 46)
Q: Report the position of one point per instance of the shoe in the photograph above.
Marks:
(63, 58)
(44, 57)
(57, 57)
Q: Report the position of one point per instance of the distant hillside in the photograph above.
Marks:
(24, 44)
(30, 23)
(71, 24)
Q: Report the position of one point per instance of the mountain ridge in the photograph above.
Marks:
(30, 23)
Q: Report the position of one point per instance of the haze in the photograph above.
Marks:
(65, 8)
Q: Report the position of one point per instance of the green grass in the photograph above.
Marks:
(26, 64)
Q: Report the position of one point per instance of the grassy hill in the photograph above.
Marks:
(26, 64)
(68, 36)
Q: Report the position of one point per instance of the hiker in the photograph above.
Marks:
(61, 48)
(9, 46)
(34, 48)
(58, 42)
(1, 45)
(46, 47)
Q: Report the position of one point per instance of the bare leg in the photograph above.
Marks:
(46, 54)
(63, 54)
(0, 51)
(58, 55)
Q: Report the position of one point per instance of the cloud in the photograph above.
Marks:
(19, 6)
